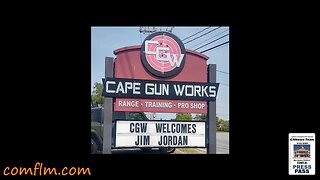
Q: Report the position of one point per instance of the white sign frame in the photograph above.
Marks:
(147, 134)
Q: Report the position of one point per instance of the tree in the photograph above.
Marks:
(222, 125)
(96, 96)
(201, 117)
(218, 121)
(183, 116)
(225, 126)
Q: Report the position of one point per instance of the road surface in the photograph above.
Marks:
(222, 147)
(222, 142)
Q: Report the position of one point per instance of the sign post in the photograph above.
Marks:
(108, 110)
(212, 148)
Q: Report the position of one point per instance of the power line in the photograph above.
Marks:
(196, 33)
(214, 47)
(209, 38)
(211, 42)
(222, 72)
(202, 35)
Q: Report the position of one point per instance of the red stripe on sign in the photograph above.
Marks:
(154, 105)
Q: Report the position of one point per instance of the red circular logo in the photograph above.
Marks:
(163, 54)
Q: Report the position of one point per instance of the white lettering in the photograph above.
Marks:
(175, 61)
(123, 88)
(204, 90)
(136, 88)
(157, 89)
(183, 105)
(190, 88)
(197, 90)
(158, 104)
(107, 86)
(212, 91)
(178, 90)
(162, 55)
(128, 103)
(165, 89)
(128, 85)
(146, 47)
(120, 88)
(197, 105)
(148, 87)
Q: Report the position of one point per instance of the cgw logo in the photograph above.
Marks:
(163, 54)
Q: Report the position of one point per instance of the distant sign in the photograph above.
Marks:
(138, 88)
(160, 133)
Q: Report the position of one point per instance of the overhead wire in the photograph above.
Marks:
(196, 33)
(202, 35)
(222, 72)
(211, 42)
(214, 47)
(209, 38)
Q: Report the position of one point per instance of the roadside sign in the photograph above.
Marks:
(156, 133)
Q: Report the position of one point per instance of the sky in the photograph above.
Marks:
(104, 40)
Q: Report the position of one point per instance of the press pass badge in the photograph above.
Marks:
(302, 153)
